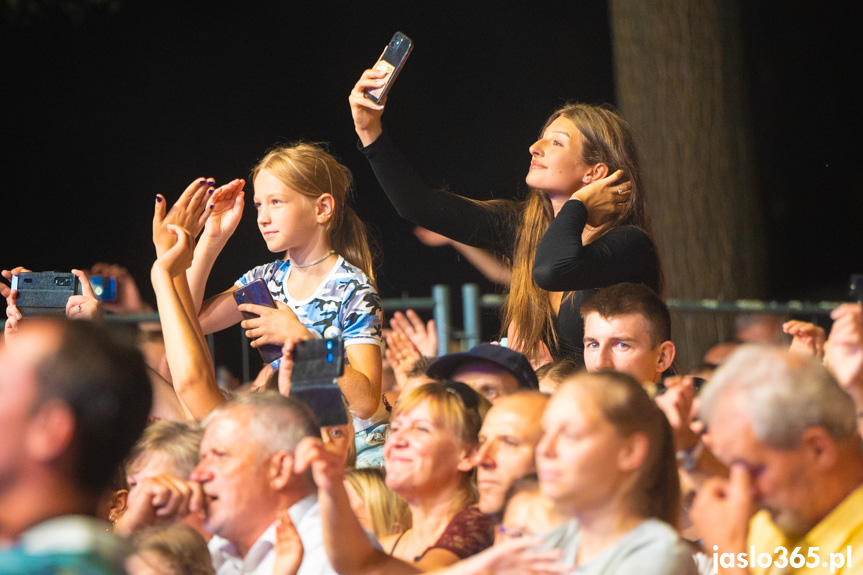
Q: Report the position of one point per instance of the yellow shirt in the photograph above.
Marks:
(838, 538)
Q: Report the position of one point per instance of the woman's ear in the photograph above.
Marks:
(118, 505)
(596, 172)
(634, 452)
(325, 207)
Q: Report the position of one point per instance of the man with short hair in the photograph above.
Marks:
(72, 403)
(627, 328)
(245, 477)
(491, 370)
(788, 432)
(508, 438)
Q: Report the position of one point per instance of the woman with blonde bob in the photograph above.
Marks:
(607, 458)
(429, 462)
(584, 225)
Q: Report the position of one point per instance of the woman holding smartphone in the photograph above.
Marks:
(584, 225)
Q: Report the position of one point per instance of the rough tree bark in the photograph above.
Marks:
(680, 83)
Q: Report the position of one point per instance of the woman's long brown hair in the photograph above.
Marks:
(606, 138)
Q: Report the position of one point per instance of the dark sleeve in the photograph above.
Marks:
(563, 263)
(475, 223)
(468, 533)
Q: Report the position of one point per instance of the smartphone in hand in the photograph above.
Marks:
(391, 62)
(44, 293)
(317, 365)
(257, 292)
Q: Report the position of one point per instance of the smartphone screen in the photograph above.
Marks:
(391, 62)
(257, 292)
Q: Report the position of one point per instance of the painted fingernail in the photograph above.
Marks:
(210, 191)
(211, 206)
(201, 181)
(159, 199)
(212, 181)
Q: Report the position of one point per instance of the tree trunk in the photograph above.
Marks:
(680, 83)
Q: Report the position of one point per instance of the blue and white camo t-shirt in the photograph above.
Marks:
(346, 303)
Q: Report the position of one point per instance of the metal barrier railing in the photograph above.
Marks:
(473, 303)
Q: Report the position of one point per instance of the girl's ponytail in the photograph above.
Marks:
(350, 238)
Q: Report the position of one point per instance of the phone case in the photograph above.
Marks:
(317, 364)
(44, 293)
(257, 292)
(391, 61)
(318, 361)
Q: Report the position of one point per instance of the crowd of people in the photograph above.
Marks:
(575, 443)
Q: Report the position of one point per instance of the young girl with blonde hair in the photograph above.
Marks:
(324, 284)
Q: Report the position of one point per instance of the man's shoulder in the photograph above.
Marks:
(68, 544)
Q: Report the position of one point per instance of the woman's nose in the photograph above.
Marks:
(536, 148)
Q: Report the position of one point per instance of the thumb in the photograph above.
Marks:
(86, 288)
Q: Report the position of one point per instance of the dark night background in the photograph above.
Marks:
(105, 106)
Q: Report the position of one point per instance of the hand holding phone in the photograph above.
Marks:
(43, 293)
(258, 293)
(316, 365)
(390, 63)
(371, 89)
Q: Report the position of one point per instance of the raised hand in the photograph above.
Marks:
(328, 467)
(9, 294)
(604, 198)
(178, 258)
(273, 326)
(225, 210)
(367, 114)
(808, 337)
(288, 546)
(844, 355)
(161, 499)
(722, 510)
(189, 212)
(128, 296)
(86, 305)
(676, 403)
(286, 366)
(422, 335)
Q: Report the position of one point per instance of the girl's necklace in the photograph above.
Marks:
(317, 261)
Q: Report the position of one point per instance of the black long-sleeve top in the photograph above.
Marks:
(562, 263)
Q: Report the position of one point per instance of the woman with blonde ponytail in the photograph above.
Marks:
(583, 227)
(323, 285)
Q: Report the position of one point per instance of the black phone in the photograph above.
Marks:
(391, 61)
(257, 292)
(318, 361)
(44, 293)
(317, 365)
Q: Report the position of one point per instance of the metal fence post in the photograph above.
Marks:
(440, 295)
(470, 314)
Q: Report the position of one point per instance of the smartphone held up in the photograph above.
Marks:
(43, 293)
(391, 61)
